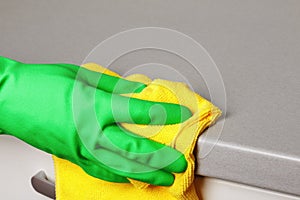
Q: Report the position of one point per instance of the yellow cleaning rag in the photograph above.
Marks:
(72, 183)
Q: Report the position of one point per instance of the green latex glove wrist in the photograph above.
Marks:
(68, 111)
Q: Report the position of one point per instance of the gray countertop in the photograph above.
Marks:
(255, 44)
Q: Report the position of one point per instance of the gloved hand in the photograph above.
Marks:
(68, 111)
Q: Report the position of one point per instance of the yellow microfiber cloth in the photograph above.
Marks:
(72, 183)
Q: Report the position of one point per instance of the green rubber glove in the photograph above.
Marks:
(73, 113)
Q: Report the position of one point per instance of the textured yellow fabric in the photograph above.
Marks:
(73, 183)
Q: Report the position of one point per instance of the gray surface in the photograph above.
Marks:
(256, 45)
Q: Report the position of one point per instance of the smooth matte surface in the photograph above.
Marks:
(256, 45)
(216, 189)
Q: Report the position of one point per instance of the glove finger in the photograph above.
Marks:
(141, 150)
(130, 168)
(99, 172)
(132, 110)
(109, 83)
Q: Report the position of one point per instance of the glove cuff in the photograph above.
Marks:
(5, 63)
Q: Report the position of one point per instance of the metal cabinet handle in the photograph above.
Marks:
(43, 185)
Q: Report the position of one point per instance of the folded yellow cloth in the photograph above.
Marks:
(72, 183)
